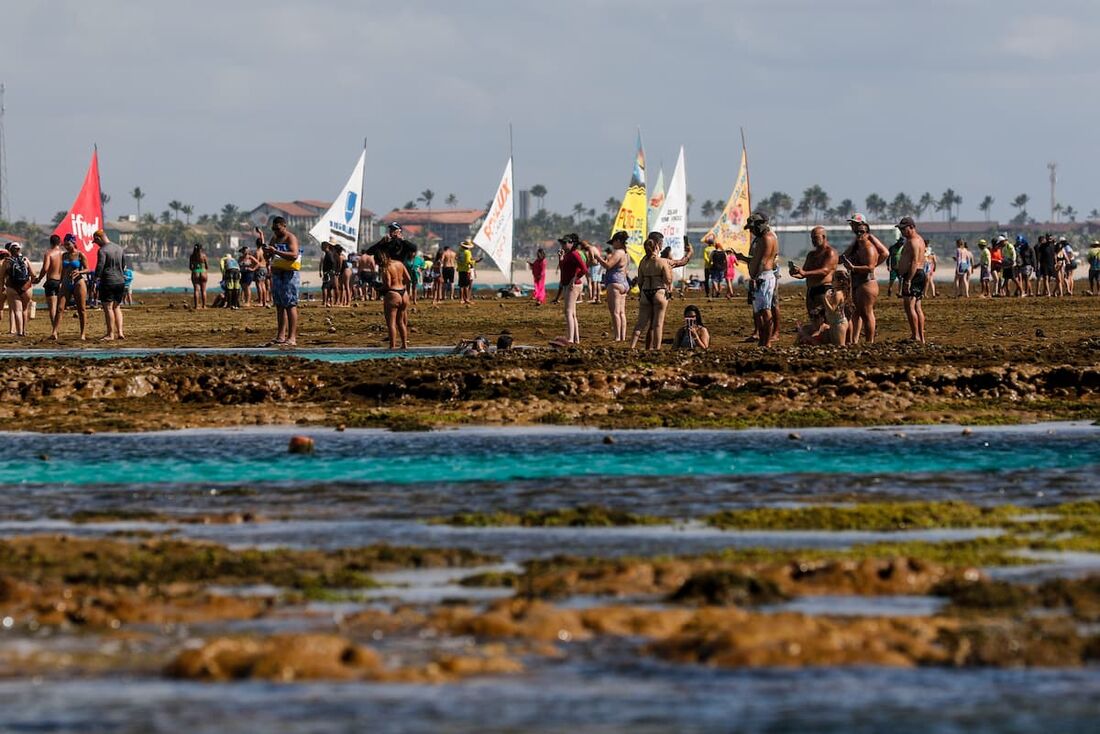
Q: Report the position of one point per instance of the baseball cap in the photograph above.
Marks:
(569, 238)
(622, 234)
(857, 219)
(70, 237)
(906, 222)
(394, 227)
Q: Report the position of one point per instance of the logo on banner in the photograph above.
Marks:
(349, 206)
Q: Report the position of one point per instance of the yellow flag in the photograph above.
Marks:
(632, 213)
(730, 230)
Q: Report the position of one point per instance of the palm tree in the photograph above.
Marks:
(875, 204)
(1058, 209)
(707, 209)
(1020, 201)
(175, 205)
(1071, 213)
(426, 196)
(612, 205)
(187, 210)
(539, 192)
(410, 205)
(985, 206)
(137, 194)
(900, 207)
(579, 211)
(925, 201)
(781, 203)
(165, 217)
(103, 199)
(452, 200)
(844, 208)
(948, 200)
(1094, 214)
(58, 217)
(687, 214)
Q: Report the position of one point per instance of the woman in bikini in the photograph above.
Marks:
(964, 265)
(861, 259)
(395, 297)
(616, 281)
(198, 266)
(74, 288)
(654, 282)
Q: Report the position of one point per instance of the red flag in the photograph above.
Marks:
(86, 215)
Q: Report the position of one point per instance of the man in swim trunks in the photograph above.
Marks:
(448, 260)
(913, 278)
(285, 257)
(51, 271)
(765, 251)
(818, 269)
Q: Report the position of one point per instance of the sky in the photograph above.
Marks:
(243, 101)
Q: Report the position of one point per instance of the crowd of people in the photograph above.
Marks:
(842, 289)
(68, 283)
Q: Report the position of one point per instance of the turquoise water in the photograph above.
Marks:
(233, 456)
(317, 355)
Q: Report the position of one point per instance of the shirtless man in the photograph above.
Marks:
(818, 269)
(51, 271)
(447, 263)
(861, 258)
(765, 250)
(913, 277)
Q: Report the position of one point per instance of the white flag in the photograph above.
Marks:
(340, 224)
(672, 218)
(495, 235)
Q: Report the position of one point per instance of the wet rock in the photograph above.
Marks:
(281, 658)
(725, 588)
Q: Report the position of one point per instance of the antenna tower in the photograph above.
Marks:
(1053, 183)
(5, 206)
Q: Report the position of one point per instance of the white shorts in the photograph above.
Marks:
(764, 295)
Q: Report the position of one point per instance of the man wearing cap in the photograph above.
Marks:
(913, 278)
(818, 269)
(861, 259)
(110, 270)
(765, 251)
(51, 272)
(285, 256)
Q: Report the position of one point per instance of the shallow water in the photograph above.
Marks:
(369, 486)
(587, 696)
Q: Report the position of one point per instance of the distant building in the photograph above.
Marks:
(448, 227)
(302, 214)
(523, 208)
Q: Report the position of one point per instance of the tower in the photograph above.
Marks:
(5, 207)
(1053, 183)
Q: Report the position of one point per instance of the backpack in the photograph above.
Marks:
(232, 264)
(19, 271)
(718, 262)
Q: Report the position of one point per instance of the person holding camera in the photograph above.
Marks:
(914, 280)
(692, 335)
(285, 258)
(818, 269)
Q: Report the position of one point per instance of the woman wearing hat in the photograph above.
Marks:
(573, 271)
(615, 280)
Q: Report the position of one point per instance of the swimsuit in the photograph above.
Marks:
(819, 290)
(53, 287)
(616, 276)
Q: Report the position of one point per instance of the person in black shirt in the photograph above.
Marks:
(1044, 252)
(1025, 264)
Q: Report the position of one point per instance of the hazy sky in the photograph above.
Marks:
(245, 100)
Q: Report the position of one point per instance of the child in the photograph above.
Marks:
(816, 332)
(835, 315)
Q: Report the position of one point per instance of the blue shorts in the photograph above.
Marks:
(284, 287)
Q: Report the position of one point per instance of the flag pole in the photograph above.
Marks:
(745, 150)
(512, 257)
(362, 185)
